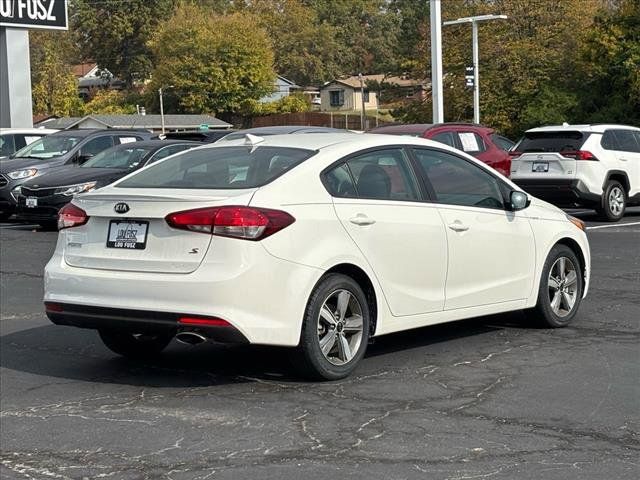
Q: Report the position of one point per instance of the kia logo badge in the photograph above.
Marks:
(121, 207)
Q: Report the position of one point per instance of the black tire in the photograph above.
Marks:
(5, 216)
(613, 202)
(308, 358)
(543, 313)
(49, 226)
(136, 346)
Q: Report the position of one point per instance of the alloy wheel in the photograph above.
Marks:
(616, 201)
(340, 327)
(563, 286)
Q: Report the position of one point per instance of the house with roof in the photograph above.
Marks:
(344, 94)
(282, 87)
(172, 122)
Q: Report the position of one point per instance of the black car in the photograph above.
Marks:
(40, 199)
(69, 147)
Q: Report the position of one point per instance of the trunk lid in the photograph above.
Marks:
(553, 165)
(151, 244)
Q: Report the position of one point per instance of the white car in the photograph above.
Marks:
(13, 139)
(593, 166)
(317, 242)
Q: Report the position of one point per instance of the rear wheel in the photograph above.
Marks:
(614, 201)
(335, 329)
(560, 291)
(135, 345)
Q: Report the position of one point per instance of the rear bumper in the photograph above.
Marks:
(136, 321)
(563, 193)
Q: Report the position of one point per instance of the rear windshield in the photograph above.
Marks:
(551, 141)
(220, 168)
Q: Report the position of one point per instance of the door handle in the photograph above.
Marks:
(458, 227)
(362, 220)
(624, 159)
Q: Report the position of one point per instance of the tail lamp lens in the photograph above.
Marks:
(71, 216)
(248, 223)
(580, 155)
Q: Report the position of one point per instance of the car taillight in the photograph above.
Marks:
(71, 216)
(514, 154)
(248, 223)
(580, 155)
(205, 322)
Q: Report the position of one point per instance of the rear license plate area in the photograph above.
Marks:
(127, 234)
(540, 167)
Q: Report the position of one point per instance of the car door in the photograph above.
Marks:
(402, 237)
(628, 156)
(491, 250)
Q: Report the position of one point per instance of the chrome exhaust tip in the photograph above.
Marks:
(190, 338)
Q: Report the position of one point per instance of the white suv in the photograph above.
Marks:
(593, 166)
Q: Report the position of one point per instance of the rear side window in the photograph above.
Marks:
(626, 141)
(383, 175)
(551, 141)
(471, 142)
(339, 182)
(7, 145)
(609, 141)
(220, 168)
(501, 142)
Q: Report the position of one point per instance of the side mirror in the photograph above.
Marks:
(519, 200)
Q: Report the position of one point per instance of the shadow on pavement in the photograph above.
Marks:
(76, 354)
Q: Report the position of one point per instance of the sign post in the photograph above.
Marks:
(16, 16)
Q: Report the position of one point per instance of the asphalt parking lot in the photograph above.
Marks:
(486, 398)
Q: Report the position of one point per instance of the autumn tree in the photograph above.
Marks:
(213, 63)
(115, 33)
(54, 87)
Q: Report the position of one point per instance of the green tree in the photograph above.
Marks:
(610, 69)
(54, 88)
(214, 63)
(110, 102)
(114, 33)
(290, 104)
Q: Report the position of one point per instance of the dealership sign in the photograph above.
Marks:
(51, 14)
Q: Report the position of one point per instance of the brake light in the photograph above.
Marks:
(248, 223)
(53, 307)
(71, 216)
(205, 322)
(580, 155)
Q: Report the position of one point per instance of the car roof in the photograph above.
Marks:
(592, 128)
(45, 131)
(288, 129)
(319, 141)
(423, 127)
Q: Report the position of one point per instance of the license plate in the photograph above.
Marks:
(32, 202)
(540, 167)
(130, 234)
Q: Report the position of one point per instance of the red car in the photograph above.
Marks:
(477, 140)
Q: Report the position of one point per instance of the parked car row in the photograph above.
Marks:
(594, 166)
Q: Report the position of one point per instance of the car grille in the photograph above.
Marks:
(3, 181)
(37, 192)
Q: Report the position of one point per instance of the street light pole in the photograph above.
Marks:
(161, 109)
(475, 51)
(436, 61)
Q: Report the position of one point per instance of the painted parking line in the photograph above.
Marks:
(614, 225)
(17, 226)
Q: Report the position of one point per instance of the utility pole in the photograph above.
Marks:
(436, 61)
(361, 78)
(476, 64)
(161, 109)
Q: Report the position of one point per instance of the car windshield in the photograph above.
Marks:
(48, 147)
(220, 168)
(122, 158)
(551, 141)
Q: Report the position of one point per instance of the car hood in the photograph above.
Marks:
(12, 164)
(73, 175)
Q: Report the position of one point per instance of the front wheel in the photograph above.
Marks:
(335, 329)
(135, 345)
(560, 291)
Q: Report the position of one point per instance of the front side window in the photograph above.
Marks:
(456, 181)
(383, 175)
(445, 137)
(336, 98)
(220, 168)
(48, 147)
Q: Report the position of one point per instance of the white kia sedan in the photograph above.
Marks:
(316, 242)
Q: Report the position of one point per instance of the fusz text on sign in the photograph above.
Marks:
(50, 14)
